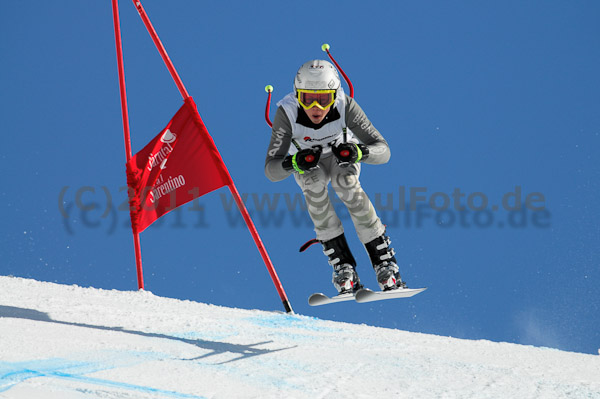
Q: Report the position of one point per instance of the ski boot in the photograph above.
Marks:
(384, 263)
(345, 279)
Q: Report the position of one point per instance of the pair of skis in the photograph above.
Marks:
(363, 295)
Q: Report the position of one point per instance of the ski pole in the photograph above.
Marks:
(268, 89)
(325, 47)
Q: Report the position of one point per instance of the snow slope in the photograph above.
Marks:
(61, 341)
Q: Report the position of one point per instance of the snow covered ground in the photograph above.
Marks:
(60, 341)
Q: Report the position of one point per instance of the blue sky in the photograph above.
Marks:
(485, 98)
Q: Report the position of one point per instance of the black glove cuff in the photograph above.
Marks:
(287, 163)
(365, 151)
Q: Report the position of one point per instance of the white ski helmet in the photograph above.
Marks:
(317, 75)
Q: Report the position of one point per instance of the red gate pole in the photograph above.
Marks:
(261, 248)
(161, 49)
(125, 115)
(232, 188)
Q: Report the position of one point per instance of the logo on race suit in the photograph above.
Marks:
(312, 139)
(277, 142)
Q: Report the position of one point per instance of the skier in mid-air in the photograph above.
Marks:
(321, 135)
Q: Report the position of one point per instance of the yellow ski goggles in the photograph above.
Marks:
(320, 98)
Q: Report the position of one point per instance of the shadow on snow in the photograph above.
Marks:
(215, 347)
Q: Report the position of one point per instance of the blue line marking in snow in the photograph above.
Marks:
(115, 384)
(12, 374)
(286, 320)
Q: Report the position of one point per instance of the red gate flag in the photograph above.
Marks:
(180, 164)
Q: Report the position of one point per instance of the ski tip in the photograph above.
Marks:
(322, 299)
(317, 299)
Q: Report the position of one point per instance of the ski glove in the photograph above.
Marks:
(302, 161)
(349, 153)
